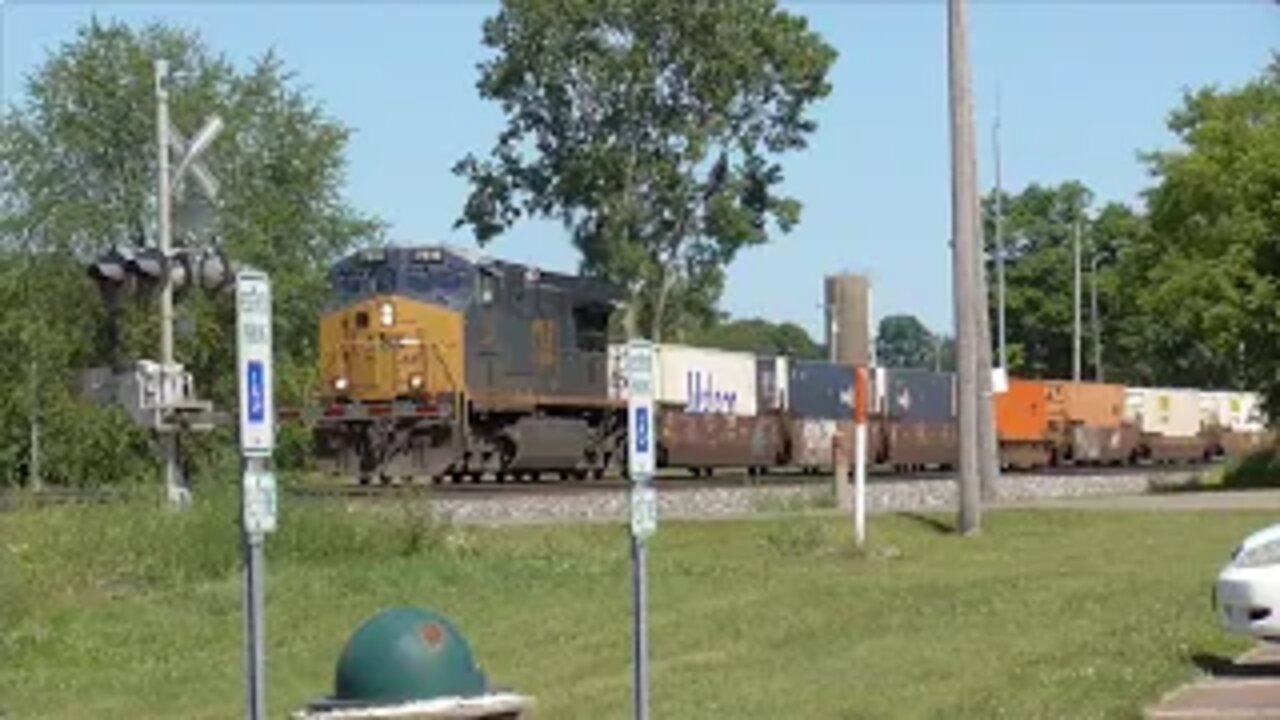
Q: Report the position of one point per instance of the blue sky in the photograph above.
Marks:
(1084, 86)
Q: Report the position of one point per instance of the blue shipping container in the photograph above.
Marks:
(821, 390)
(919, 395)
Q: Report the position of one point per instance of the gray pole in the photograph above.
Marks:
(255, 607)
(831, 332)
(34, 479)
(176, 489)
(988, 442)
(640, 593)
(963, 200)
(833, 319)
(1093, 315)
(1075, 337)
(1004, 355)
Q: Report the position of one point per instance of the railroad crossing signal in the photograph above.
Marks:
(123, 270)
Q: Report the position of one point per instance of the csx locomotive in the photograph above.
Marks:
(436, 361)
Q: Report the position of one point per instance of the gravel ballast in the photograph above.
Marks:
(744, 500)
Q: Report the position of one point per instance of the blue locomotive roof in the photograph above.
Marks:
(439, 273)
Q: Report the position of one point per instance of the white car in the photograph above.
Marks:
(1247, 594)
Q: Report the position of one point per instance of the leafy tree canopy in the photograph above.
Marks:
(1213, 254)
(904, 342)
(77, 175)
(651, 128)
(761, 337)
(1040, 225)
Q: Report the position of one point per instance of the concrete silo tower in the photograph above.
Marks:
(849, 332)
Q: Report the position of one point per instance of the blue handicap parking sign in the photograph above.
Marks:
(257, 393)
(642, 429)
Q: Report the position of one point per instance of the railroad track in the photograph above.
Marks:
(14, 499)
(677, 483)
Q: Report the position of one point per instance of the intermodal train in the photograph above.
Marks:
(439, 362)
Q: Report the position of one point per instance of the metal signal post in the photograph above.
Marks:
(641, 464)
(169, 140)
(258, 489)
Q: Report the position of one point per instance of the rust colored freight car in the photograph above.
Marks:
(1022, 424)
(1086, 421)
(917, 417)
(819, 405)
(704, 441)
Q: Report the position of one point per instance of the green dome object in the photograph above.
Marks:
(406, 654)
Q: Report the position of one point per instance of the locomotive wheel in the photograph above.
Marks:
(596, 474)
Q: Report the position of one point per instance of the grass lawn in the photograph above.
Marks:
(122, 611)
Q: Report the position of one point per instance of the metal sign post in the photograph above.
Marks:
(641, 463)
(258, 487)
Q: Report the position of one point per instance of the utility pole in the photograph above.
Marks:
(964, 258)
(1093, 316)
(1004, 355)
(832, 328)
(35, 479)
(988, 443)
(176, 488)
(1075, 337)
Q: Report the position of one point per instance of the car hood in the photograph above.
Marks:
(1261, 537)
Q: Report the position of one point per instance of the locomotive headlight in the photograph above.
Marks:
(387, 314)
(339, 384)
(415, 381)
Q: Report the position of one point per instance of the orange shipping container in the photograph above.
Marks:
(1022, 412)
(1097, 405)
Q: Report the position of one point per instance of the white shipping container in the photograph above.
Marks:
(1215, 409)
(1172, 412)
(617, 371)
(782, 378)
(1235, 411)
(1251, 417)
(705, 381)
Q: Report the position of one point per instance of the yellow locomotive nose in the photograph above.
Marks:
(383, 348)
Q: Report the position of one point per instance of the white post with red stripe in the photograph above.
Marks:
(860, 456)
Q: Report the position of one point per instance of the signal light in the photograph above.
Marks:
(109, 269)
(143, 270)
(213, 271)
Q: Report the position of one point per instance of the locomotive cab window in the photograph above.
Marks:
(488, 286)
(591, 325)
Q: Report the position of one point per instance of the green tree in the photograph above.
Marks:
(77, 176)
(1213, 255)
(1039, 228)
(651, 128)
(759, 336)
(902, 341)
